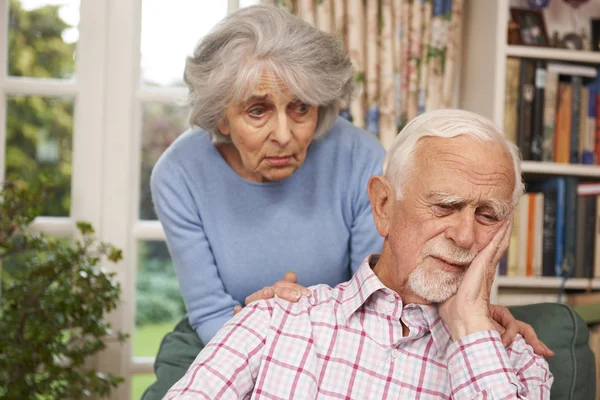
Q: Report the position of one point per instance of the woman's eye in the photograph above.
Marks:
(301, 108)
(446, 207)
(257, 111)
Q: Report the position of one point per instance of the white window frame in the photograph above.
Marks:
(107, 134)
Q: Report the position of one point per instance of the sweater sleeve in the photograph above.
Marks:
(208, 305)
(364, 238)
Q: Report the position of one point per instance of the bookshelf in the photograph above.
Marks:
(586, 57)
(547, 283)
(482, 90)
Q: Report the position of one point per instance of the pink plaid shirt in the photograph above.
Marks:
(346, 342)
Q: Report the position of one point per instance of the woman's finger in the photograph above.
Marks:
(531, 338)
(290, 276)
(502, 316)
(236, 310)
(281, 286)
(265, 293)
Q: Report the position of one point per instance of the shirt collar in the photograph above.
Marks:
(364, 283)
(358, 289)
(434, 324)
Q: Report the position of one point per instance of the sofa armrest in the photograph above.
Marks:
(565, 332)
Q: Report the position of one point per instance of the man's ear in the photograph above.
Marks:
(382, 196)
(223, 126)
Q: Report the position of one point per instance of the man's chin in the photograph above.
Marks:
(435, 287)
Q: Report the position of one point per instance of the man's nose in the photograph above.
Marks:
(462, 231)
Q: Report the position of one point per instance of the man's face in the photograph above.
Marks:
(456, 199)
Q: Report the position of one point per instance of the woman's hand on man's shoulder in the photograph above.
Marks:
(287, 289)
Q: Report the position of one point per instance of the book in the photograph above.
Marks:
(549, 116)
(588, 226)
(569, 260)
(537, 122)
(583, 121)
(597, 132)
(525, 115)
(576, 84)
(538, 241)
(523, 235)
(552, 222)
(562, 127)
(513, 247)
(588, 155)
(511, 99)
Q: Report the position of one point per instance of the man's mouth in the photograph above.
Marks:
(449, 265)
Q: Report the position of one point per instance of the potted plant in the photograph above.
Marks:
(53, 301)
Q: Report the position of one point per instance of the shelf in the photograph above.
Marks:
(549, 53)
(548, 168)
(545, 282)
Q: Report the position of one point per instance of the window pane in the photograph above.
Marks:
(39, 142)
(161, 125)
(42, 35)
(158, 305)
(170, 30)
(139, 384)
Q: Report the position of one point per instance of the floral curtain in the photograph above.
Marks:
(404, 52)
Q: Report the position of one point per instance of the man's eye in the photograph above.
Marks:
(443, 209)
(490, 217)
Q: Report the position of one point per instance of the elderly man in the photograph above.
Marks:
(413, 321)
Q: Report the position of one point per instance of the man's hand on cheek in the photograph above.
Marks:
(467, 311)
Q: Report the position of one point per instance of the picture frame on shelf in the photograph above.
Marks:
(572, 41)
(595, 36)
(532, 28)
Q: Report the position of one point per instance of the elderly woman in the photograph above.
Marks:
(272, 180)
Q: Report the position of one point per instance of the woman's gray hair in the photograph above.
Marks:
(228, 63)
(446, 123)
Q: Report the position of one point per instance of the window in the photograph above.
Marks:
(91, 95)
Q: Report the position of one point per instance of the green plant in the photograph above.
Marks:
(53, 302)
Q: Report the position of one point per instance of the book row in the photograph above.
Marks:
(552, 112)
(556, 231)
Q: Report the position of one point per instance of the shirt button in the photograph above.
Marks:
(395, 353)
(390, 308)
(391, 298)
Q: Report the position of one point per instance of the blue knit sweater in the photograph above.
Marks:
(228, 237)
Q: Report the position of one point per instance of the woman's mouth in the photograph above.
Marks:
(279, 161)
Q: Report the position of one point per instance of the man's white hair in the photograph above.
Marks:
(446, 123)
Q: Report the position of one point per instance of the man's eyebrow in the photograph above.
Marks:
(437, 196)
(499, 208)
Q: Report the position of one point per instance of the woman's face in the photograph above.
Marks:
(271, 132)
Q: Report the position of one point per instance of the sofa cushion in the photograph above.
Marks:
(565, 332)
